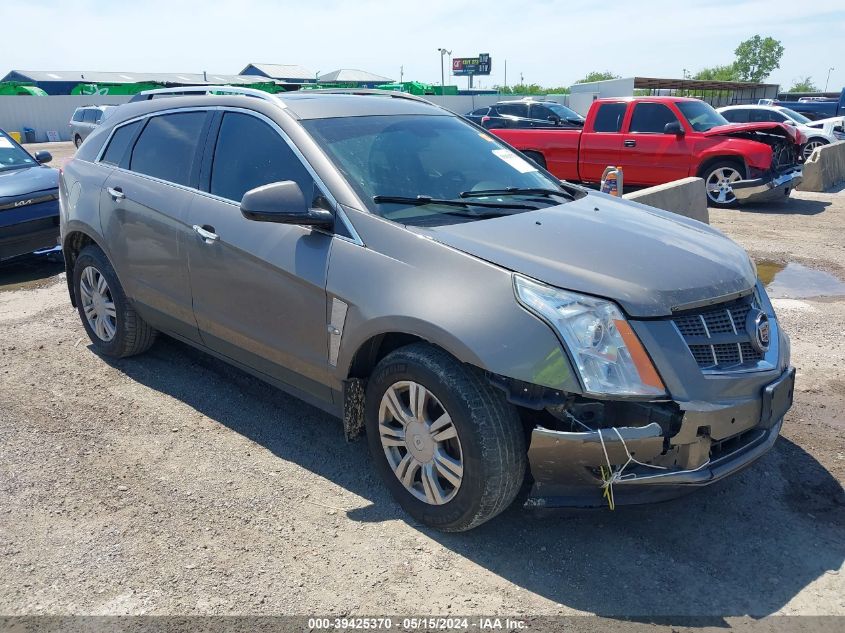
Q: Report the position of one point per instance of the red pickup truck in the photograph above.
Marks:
(659, 139)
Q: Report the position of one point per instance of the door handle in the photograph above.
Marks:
(116, 193)
(207, 233)
(630, 143)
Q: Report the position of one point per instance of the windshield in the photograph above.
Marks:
(701, 116)
(437, 157)
(12, 156)
(562, 111)
(795, 116)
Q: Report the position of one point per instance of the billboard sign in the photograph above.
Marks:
(480, 65)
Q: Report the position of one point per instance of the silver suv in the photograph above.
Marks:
(495, 332)
(84, 120)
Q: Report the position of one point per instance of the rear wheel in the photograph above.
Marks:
(718, 181)
(811, 145)
(77, 141)
(447, 444)
(112, 324)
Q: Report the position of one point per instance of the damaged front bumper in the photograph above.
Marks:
(712, 442)
(767, 188)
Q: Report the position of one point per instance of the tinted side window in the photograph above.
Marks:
(651, 118)
(541, 112)
(119, 142)
(515, 109)
(250, 153)
(776, 116)
(167, 146)
(90, 115)
(736, 116)
(78, 115)
(480, 112)
(609, 117)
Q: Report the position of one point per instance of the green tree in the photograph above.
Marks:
(804, 84)
(718, 73)
(757, 57)
(597, 76)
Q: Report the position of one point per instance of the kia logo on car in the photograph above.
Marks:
(21, 203)
(758, 328)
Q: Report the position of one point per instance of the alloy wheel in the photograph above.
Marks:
(420, 442)
(98, 303)
(810, 146)
(720, 184)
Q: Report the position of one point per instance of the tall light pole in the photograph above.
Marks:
(828, 78)
(443, 52)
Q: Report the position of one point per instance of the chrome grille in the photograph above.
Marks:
(725, 326)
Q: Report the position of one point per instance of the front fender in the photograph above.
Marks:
(404, 283)
(751, 153)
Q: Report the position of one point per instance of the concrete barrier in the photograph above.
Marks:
(686, 197)
(825, 168)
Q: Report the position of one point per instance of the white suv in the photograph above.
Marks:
(84, 120)
(816, 136)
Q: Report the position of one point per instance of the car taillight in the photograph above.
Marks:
(484, 119)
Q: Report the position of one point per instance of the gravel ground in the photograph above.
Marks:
(171, 483)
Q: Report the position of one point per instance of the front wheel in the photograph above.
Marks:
(719, 179)
(447, 444)
(811, 146)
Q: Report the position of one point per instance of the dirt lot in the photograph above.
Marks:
(172, 484)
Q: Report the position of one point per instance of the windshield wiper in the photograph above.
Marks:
(422, 200)
(516, 191)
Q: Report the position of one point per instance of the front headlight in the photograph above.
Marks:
(606, 351)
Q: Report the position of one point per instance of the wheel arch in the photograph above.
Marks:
(708, 162)
(72, 244)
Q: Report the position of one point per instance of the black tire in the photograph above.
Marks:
(132, 334)
(491, 436)
(537, 157)
(709, 173)
(77, 141)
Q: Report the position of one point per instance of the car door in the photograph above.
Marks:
(542, 116)
(601, 142)
(513, 115)
(649, 156)
(259, 288)
(143, 207)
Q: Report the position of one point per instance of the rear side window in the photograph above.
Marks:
(651, 118)
(609, 117)
(736, 116)
(119, 143)
(514, 109)
(480, 112)
(78, 115)
(249, 153)
(167, 146)
(90, 116)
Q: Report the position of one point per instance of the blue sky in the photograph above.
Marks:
(548, 42)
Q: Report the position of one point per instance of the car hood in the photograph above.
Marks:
(649, 261)
(734, 128)
(19, 182)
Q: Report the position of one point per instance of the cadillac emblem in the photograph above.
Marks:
(759, 329)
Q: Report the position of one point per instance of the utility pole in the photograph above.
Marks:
(443, 52)
(506, 75)
(828, 78)
(401, 74)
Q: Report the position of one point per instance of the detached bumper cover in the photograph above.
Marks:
(565, 465)
(767, 188)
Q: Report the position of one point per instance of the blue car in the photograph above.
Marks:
(29, 200)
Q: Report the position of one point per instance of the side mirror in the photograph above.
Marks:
(283, 202)
(674, 128)
(43, 156)
(789, 122)
(554, 119)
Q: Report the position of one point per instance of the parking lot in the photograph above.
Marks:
(171, 483)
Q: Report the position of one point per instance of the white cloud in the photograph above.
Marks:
(549, 42)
